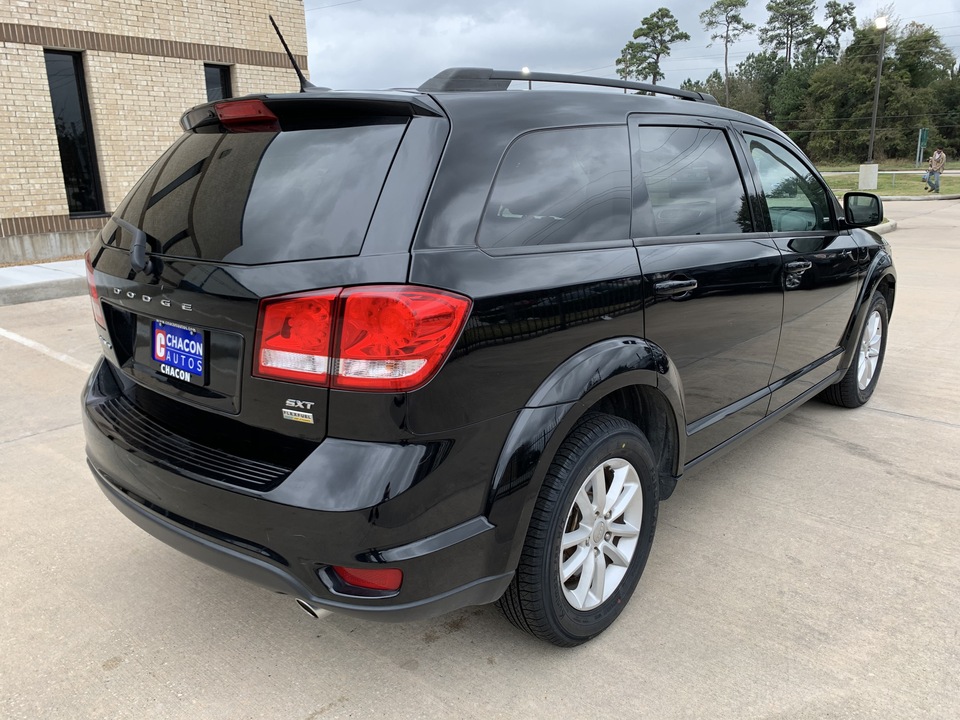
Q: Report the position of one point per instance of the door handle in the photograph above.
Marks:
(674, 287)
(798, 266)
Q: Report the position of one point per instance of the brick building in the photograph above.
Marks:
(93, 90)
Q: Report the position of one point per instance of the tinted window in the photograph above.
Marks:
(795, 200)
(692, 182)
(263, 197)
(556, 187)
(217, 78)
(71, 116)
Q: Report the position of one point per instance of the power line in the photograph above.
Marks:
(324, 7)
(884, 117)
(602, 67)
(858, 130)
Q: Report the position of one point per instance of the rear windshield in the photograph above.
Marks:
(262, 197)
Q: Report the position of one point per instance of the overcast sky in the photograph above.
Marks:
(401, 43)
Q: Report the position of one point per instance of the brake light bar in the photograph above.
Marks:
(383, 338)
(247, 116)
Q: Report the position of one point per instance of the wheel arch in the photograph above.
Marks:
(627, 377)
(881, 277)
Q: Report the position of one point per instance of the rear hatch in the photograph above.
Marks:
(260, 197)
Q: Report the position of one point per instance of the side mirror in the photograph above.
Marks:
(862, 209)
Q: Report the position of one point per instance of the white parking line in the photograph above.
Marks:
(49, 352)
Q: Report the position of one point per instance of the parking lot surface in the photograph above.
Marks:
(812, 572)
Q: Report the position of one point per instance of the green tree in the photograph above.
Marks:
(789, 26)
(826, 107)
(839, 19)
(640, 57)
(725, 18)
(921, 54)
(713, 85)
(789, 98)
(758, 76)
(946, 129)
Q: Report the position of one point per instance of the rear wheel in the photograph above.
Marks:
(589, 536)
(860, 380)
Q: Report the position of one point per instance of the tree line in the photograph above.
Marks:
(811, 85)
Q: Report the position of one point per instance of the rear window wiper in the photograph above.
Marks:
(139, 262)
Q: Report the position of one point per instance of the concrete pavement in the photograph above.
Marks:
(812, 572)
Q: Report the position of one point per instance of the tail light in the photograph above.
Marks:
(94, 296)
(385, 338)
(294, 338)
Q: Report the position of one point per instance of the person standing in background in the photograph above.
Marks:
(937, 163)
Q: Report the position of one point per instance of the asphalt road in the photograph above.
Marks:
(813, 572)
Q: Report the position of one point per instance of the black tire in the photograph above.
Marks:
(847, 392)
(536, 601)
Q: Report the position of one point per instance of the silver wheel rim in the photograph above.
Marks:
(601, 534)
(869, 356)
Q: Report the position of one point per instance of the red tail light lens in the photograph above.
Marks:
(294, 338)
(389, 338)
(395, 338)
(94, 296)
(247, 116)
(385, 579)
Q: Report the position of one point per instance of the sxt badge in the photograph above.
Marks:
(298, 415)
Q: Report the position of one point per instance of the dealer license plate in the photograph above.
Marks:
(179, 350)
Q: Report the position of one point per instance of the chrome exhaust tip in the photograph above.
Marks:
(310, 610)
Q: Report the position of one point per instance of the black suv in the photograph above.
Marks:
(395, 353)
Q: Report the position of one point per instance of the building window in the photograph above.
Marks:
(71, 114)
(218, 82)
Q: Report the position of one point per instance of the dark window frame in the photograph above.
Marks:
(226, 81)
(511, 249)
(95, 180)
(645, 232)
(832, 203)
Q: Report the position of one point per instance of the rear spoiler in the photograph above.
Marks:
(310, 110)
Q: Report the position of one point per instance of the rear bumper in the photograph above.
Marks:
(265, 573)
(429, 523)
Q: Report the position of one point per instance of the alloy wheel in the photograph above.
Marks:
(600, 534)
(869, 356)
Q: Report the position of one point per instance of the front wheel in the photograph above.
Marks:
(589, 536)
(860, 380)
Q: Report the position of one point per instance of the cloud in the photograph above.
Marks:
(376, 43)
(401, 43)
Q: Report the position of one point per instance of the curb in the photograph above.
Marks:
(42, 281)
(884, 227)
(918, 198)
(47, 290)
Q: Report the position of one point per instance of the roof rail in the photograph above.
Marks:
(467, 79)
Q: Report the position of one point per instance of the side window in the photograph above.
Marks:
(556, 187)
(794, 198)
(692, 181)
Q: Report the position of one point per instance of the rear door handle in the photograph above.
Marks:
(798, 266)
(674, 287)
